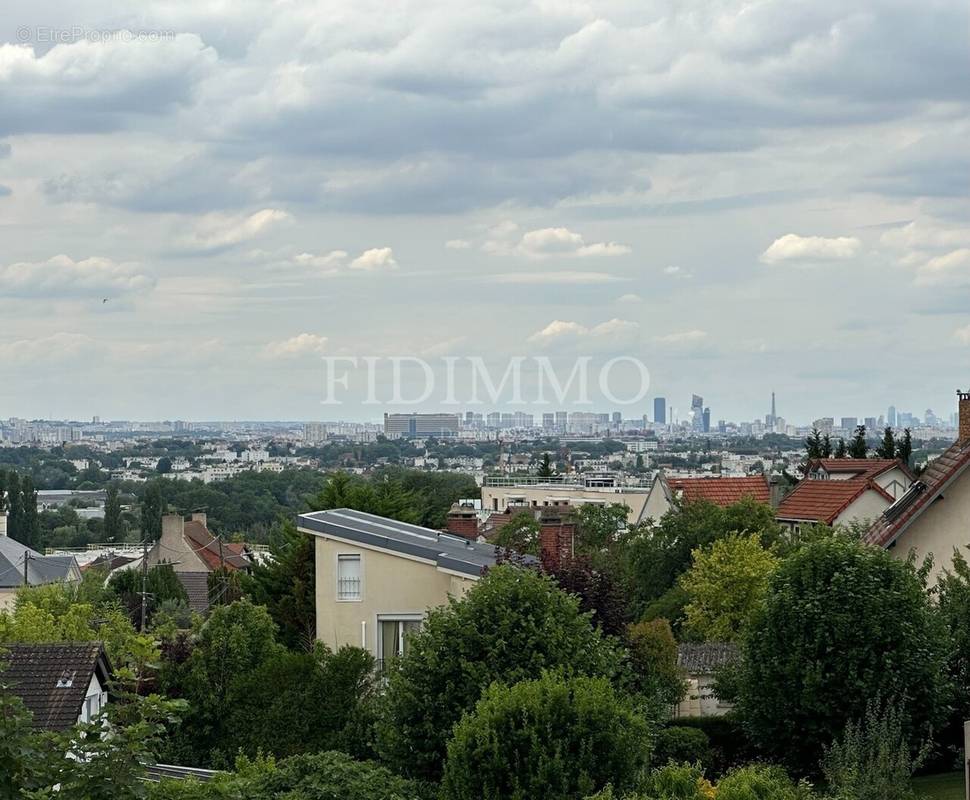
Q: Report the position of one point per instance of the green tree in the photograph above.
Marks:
(551, 738)
(859, 447)
(520, 533)
(29, 521)
(285, 585)
(597, 527)
(655, 556)
(510, 626)
(114, 525)
(235, 641)
(164, 465)
(151, 512)
(904, 448)
(813, 445)
(841, 623)
(296, 703)
(162, 585)
(887, 449)
(19, 746)
(545, 467)
(725, 585)
(841, 451)
(826, 451)
(653, 658)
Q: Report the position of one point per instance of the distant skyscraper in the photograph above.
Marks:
(706, 420)
(617, 417)
(892, 416)
(697, 413)
(660, 410)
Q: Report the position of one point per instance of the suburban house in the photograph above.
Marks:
(890, 474)
(60, 684)
(930, 519)
(669, 492)
(22, 566)
(376, 577)
(194, 553)
(700, 662)
(842, 491)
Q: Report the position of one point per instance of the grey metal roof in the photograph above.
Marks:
(41, 569)
(704, 658)
(446, 550)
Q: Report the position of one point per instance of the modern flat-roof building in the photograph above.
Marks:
(500, 493)
(398, 426)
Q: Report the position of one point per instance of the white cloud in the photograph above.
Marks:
(325, 261)
(691, 337)
(612, 333)
(303, 344)
(376, 259)
(962, 335)
(552, 278)
(61, 276)
(458, 244)
(564, 243)
(678, 272)
(950, 268)
(792, 247)
(216, 232)
(630, 298)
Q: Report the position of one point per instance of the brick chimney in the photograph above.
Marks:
(200, 516)
(3, 523)
(964, 435)
(463, 521)
(556, 540)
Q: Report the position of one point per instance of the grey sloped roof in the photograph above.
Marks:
(53, 679)
(41, 569)
(704, 658)
(447, 551)
(197, 588)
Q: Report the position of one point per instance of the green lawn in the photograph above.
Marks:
(946, 786)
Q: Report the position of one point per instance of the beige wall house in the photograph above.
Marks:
(933, 517)
(376, 578)
(23, 566)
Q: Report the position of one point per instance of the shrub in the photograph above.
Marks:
(678, 782)
(653, 657)
(872, 759)
(550, 738)
(761, 782)
(511, 626)
(841, 622)
(728, 742)
(681, 744)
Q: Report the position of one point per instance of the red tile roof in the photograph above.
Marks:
(207, 546)
(721, 491)
(863, 467)
(939, 474)
(823, 501)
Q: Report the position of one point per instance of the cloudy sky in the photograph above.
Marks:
(747, 196)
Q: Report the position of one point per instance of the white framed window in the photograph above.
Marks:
(349, 578)
(393, 633)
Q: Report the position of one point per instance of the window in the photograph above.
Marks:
(348, 577)
(395, 635)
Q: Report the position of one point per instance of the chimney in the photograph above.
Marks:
(463, 521)
(964, 434)
(556, 539)
(3, 523)
(200, 516)
(173, 526)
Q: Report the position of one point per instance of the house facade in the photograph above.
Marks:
(699, 662)
(376, 578)
(60, 684)
(930, 519)
(22, 566)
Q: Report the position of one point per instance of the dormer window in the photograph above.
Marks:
(66, 681)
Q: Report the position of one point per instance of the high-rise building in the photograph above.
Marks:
(849, 423)
(548, 421)
(660, 410)
(697, 413)
(706, 420)
(561, 421)
(617, 417)
(891, 416)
